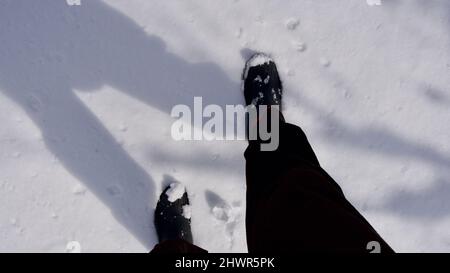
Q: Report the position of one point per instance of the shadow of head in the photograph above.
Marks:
(85, 47)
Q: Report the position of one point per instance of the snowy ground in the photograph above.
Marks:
(86, 93)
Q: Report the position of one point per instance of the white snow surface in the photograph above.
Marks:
(374, 2)
(175, 191)
(187, 211)
(86, 93)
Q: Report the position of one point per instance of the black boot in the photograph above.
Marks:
(261, 82)
(262, 86)
(172, 214)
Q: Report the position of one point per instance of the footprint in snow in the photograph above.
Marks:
(222, 211)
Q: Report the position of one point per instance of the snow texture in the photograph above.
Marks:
(73, 2)
(175, 192)
(86, 93)
(292, 23)
(374, 2)
(187, 211)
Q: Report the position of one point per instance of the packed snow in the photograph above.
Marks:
(256, 60)
(374, 2)
(175, 192)
(187, 211)
(87, 87)
(292, 23)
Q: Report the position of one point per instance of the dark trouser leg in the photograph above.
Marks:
(293, 205)
(176, 247)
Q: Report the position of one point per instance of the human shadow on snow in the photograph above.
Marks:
(49, 49)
